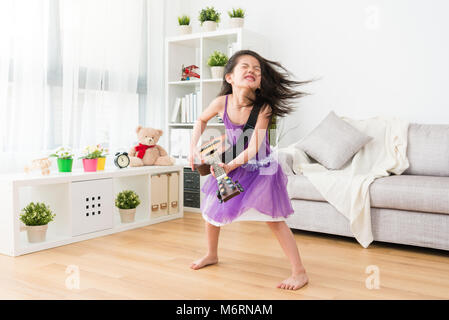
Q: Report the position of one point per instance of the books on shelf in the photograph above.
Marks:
(176, 107)
(186, 109)
(183, 110)
(180, 143)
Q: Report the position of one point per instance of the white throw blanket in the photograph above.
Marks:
(347, 189)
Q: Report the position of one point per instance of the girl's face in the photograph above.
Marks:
(246, 73)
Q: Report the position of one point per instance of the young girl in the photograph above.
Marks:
(250, 80)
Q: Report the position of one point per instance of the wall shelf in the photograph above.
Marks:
(184, 83)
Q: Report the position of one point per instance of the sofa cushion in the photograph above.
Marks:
(428, 149)
(299, 187)
(403, 192)
(333, 142)
(415, 193)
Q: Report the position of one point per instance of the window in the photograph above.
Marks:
(76, 73)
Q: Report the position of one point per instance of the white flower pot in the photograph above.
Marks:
(209, 26)
(236, 22)
(185, 29)
(217, 72)
(127, 215)
(36, 233)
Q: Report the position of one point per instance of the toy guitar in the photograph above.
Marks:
(227, 188)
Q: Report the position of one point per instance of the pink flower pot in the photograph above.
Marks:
(90, 165)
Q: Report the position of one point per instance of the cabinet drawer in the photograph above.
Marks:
(159, 195)
(191, 180)
(191, 198)
(190, 183)
(92, 206)
(173, 192)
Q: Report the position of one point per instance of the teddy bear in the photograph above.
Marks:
(148, 153)
(44, 164)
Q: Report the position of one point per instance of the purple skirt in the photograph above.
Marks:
(265, 189)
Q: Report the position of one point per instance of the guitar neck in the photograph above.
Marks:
(219, 171)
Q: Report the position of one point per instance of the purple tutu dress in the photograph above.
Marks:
(265, 196)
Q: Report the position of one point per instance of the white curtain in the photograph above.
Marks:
(23, 66)
(69, 72)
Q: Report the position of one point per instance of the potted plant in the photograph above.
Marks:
(90, 158)
(237, 18)
(209, 19)
(36, 217)
(184, 25)
(126, 202)
(101, 160)
(65, 159)
(216, 62)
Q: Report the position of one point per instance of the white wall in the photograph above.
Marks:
(155, 117)
(396, 64)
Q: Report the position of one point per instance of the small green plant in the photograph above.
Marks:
(217, 59)
(63, 153)
(93, 152)
(36, 214)
(237, 13)
(209, 14)
(127, 199)
(184, 20)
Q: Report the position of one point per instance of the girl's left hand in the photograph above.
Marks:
(225, 167)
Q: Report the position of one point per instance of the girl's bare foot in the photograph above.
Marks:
(295, 282)
(204, 261)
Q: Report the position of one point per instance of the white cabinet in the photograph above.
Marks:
(92, 206)
(84, 203)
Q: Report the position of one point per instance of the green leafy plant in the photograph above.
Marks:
(63, 153)
(184, 20)
(127, 199)
(36, 214)
(93, 152)
(217, 59)
(237, 13)
(209, 14)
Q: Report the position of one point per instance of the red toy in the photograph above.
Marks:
(190, 71)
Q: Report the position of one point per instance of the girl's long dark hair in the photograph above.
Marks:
(276, 89)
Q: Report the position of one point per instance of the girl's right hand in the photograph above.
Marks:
(212, 171)
(194, 154)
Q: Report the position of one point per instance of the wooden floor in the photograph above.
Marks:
(153, 263)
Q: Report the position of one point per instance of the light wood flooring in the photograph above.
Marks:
(153, 263)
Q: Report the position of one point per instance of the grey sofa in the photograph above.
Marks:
(417, 215)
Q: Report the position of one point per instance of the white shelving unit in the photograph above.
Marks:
(195, 49)
(58, 189)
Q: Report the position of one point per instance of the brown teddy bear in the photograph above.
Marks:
(148, 153)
